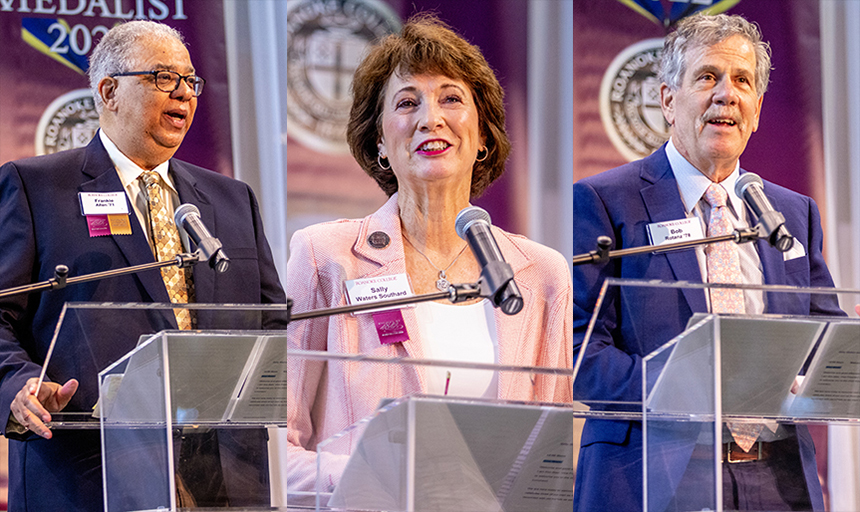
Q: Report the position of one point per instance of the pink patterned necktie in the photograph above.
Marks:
(165, 235)
(724, 267)
(724, 264)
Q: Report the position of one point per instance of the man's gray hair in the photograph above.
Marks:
(707, 30)
(118, 49)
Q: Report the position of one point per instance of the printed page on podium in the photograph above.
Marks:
(832, 384)
(261, 391)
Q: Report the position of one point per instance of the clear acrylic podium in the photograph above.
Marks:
(174, 407)
(725, 369)
(423, 453)
(436, 452)
(183, 416)
(181, 388)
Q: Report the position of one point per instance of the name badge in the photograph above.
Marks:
(390, 326)
(103, 203)
(376, 289)
(681, 230)
(106, 213)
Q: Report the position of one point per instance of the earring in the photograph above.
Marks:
(379, 159)
(486, 154)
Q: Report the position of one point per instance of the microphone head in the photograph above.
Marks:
(746, 179)
(182, 211)
(467, 216)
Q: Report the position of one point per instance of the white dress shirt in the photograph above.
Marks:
(459, 333)
(129, 172)
(692, 185)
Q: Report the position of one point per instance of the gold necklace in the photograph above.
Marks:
(442, 282)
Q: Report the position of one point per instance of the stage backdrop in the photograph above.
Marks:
(45, 104)
(617, 114)
(326, 41)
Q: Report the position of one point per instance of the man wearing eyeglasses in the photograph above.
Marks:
(146, 92)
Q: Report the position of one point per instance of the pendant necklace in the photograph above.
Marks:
(442, 282)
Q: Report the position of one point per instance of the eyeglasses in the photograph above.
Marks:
(168, 81)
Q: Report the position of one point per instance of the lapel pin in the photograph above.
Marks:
(378, 240)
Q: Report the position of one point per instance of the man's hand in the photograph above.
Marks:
(857, 309)
(33, 412)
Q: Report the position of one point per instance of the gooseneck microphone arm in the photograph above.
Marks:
(455, 293)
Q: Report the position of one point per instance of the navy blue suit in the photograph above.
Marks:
(620, 203)
(41, 226)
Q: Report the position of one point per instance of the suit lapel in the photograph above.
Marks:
(186, 187)
(102, 177)
(390, 260)
(663, 202)
(772, 263)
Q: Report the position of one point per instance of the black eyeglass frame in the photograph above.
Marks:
(196, 87)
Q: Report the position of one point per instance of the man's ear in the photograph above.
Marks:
(667, 103)
(757, 113)
(107, 91)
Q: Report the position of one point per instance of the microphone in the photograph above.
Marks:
(473, 226)
(188, 216)
(771, 223)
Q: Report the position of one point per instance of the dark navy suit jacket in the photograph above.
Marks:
(620, 203)
(41, 226)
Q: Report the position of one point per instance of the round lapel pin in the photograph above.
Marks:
(378, 240)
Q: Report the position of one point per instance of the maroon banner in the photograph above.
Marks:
(45, 104)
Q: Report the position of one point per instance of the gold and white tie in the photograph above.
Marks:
(165, 236)
(724, 267)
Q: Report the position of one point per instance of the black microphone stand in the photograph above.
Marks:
(455, 293)
(61, 277)
(604, 242)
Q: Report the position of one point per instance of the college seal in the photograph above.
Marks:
(326, 40)
(630, 101)
(70, 121)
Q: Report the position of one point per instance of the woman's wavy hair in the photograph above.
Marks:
(426, 45)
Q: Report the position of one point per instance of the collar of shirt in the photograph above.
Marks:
(130, 171)
(692, 184)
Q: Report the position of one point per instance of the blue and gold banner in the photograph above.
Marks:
(44, 90)
(54, 37)
(667, 13)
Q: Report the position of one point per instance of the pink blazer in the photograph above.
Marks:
(322, 403)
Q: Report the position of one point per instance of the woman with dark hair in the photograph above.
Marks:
(428, 124)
